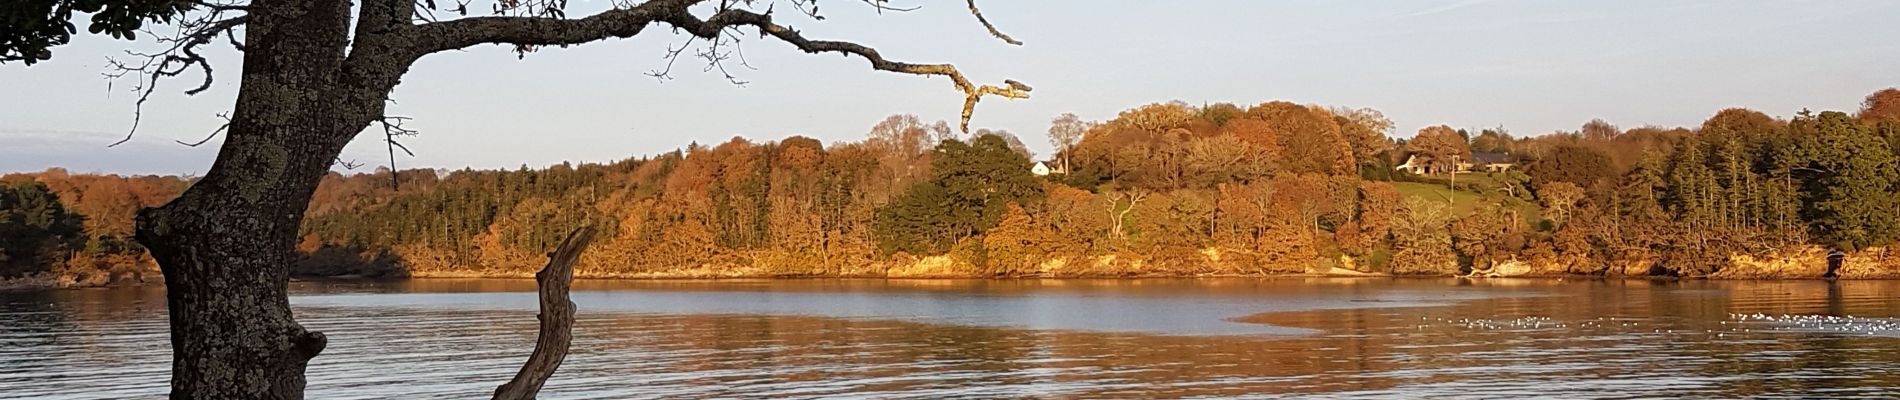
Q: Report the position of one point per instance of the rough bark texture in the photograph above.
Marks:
(557, 319)
(225, 243)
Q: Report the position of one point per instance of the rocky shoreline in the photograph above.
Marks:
(1805, 263)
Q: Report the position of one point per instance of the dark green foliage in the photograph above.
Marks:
(447, 214)
(30, 29)
(1575, 164)
(918, 222)
(1640, 193)
(35, 228)
(971, 187)
(1890, 130)
(1377, 169)
(1850, 197)
(1693, 194)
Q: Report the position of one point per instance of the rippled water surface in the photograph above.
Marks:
(1263, 338)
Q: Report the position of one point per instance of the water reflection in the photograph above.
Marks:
(1159, 307)
(987, 339)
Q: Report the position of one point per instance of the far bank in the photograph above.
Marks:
(1805, 263)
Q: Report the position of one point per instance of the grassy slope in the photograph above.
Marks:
(1462, 202)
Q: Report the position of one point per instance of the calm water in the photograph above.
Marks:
(1262, 338)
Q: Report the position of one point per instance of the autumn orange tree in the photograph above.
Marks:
(315, 74)
(1204, 192)
(1882, 109)
(1310, 138)
(1492, 141)
(1365, 130)
(1441, 147)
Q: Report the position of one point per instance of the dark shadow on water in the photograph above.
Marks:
(342, 261)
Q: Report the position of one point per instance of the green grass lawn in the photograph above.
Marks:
(1463, 202)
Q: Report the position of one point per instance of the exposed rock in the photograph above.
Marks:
(1872, 263)
(1804, 262)
(1584, 265)
(1511, 268)
(1212, 254)
(1349, 263)
(1500, 269)
(1635, 267)
(1054, 266)
(933, 267)
(1346, 266)
(31, 281)
(1447, 268)
(1546, 266)
(1337, 271)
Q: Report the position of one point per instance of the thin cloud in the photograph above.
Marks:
(48, 137)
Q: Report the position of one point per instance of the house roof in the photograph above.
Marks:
(1493, 158)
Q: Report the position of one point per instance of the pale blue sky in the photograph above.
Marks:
(1530, 66)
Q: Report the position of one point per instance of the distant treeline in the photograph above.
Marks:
(1161, 189)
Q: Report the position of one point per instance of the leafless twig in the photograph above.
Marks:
(672, 55)
(179, 55)
(214, 133)
(392, 129)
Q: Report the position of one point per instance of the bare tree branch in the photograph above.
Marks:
(718, 51)
(721, 48)
(536, 31)
(392, 129)
(986, 25)
(557, 319)
(627, 22)
(711, 27)
(180, 55)
(223, 6)
(214, 133)
(672, 55)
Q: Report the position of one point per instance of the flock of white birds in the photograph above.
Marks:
(1737, 323)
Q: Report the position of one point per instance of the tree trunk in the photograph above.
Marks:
(225, 247)
(225, 244)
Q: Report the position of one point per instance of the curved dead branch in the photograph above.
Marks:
(557, 319)
(710, 27)
(987, 25)
(627, 22)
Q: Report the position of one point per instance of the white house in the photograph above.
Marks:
(1485, 162)
(1040, 169)
(1414, 164)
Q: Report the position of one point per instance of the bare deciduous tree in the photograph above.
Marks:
(1064, 132)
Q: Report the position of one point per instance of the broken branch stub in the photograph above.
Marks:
(557, 319)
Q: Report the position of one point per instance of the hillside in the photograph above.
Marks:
(1164, 189)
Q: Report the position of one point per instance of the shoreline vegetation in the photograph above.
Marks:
(1160, 190)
